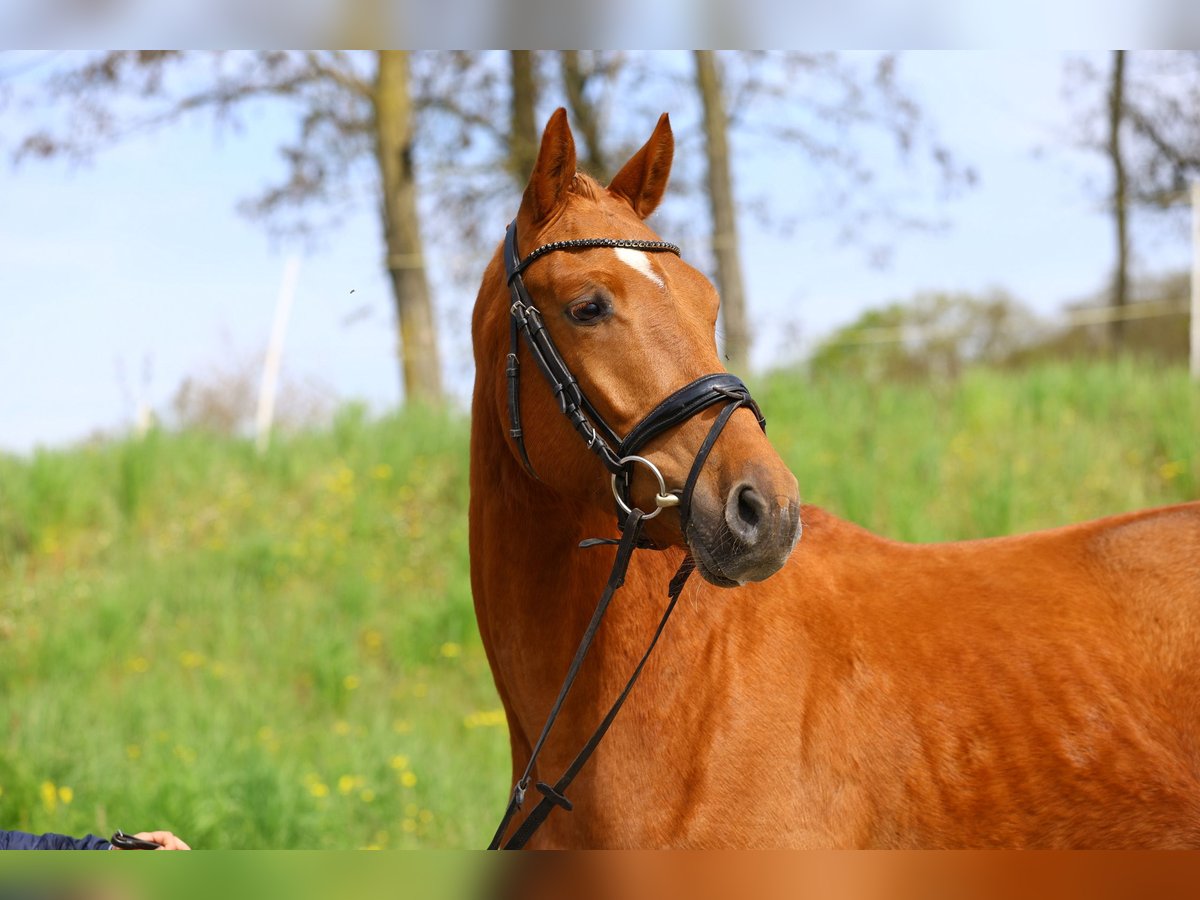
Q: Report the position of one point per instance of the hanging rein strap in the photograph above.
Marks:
(554, 796)
(625, 548)
(630, 539)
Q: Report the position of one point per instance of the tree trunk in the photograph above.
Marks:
(724, 221)
(523, 133)
(1120, 199)
(587, 122)
(422, 374)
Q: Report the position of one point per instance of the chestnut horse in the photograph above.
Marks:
(842, 690)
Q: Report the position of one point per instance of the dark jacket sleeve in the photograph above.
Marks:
(20, 840)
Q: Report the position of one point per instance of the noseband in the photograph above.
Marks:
(618, 456)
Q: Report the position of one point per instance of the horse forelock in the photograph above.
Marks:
(587, 187)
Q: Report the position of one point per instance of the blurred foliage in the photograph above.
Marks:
(224, 400)
(940, 335)
(1139, 116)
(280, 651)
(864, 150)
(1162, 337)
(269, 651)
(993, 452)
(934, 335)
(1159, 128)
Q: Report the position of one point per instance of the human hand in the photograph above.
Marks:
(165, 839)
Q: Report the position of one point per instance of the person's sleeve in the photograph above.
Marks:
(21, 840)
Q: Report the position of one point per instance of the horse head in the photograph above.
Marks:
(632, 326)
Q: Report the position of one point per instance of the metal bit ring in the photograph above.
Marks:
(662, 499)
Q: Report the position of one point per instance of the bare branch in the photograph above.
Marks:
(343, 75)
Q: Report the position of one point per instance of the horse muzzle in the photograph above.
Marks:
(746, 531)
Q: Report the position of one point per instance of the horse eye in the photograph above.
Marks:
(588, 311)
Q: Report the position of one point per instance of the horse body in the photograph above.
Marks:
(1032, 691)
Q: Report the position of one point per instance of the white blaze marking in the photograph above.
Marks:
(638, 260)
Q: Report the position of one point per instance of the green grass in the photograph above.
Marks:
(281, 651)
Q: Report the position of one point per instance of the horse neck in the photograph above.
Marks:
(535, 588)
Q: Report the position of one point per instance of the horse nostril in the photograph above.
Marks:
(747, 511)
(744, 510)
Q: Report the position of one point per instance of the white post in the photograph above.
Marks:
(270, 376)
(1195, 344)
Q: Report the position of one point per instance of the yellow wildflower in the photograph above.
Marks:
(49, 796)
(490, 718)
(1171, 470)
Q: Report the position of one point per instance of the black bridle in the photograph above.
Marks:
(618, 456)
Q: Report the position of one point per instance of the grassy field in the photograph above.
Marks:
(281, 652)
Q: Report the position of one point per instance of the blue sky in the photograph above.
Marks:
(141, 255)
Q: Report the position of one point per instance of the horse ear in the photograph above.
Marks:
(644, 178)
(553, 172)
